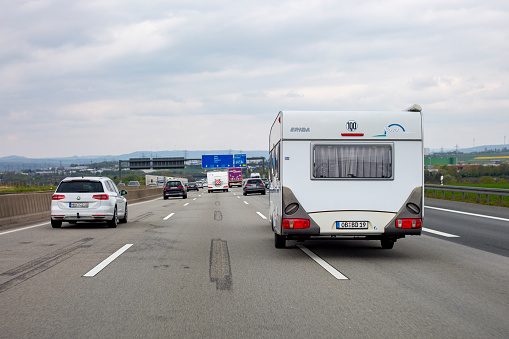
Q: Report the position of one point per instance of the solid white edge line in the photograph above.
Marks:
(261, 215)
(107, 261)
(335, 273)
(467, 213)
(142, 202)
(443, 234)
(245, 202)
(24, 228)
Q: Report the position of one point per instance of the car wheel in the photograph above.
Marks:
(165, 197)
(184, 196)
(387, 243)
(56, 223)
(279, 241)
(114, 221)
(245, 193)
(124, 219)
(263, 193)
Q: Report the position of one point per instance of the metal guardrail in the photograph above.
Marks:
(480, 191)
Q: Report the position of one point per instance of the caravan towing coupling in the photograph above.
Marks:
(346, 175)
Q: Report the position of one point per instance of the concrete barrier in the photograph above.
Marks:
(20, 208)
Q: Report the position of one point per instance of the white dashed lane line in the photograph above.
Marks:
(261, 215)
(443, 234)
(245, 202)
(107, 261)
(168, 216)
(335, 273)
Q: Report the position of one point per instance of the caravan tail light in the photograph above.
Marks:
(408, 223)
(295, 223)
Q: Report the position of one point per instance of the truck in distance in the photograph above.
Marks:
(235, 176)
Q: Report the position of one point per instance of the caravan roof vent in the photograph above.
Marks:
(414, 108)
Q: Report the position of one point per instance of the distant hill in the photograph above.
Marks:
(471, 149)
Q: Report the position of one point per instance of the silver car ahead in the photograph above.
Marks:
(88, 199)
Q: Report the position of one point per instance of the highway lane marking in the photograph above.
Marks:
(443, 234)
(467, 213)
(245, 202)
(143, 202)
(107, 261)
(261, 215)
(24, 228)
(335, 273)
(168, 216)
(186, 204)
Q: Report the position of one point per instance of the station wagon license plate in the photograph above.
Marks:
(78, 204)
(351, 224)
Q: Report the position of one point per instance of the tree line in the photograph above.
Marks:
(478, 174)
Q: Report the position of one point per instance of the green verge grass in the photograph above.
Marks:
(21, 189)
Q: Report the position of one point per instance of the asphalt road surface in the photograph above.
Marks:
(206, 267)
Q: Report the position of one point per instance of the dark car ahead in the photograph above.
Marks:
(266, 182)
(175, 188)
(192, 186)
(254, 186)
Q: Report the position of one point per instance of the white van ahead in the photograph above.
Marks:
(353, 175)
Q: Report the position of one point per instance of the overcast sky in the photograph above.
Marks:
(111, 77)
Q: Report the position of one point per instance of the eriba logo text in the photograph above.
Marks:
(299, 129)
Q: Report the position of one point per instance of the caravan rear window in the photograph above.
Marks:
(361, 161)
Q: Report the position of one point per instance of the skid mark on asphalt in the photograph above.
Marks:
(41, 264)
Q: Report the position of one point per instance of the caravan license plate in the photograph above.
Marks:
(78, 204)
(352, 224)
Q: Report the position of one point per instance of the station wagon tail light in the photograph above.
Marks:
(181, 186)
(101, 196)
(408, 223)
(58, 197)
(295, 223)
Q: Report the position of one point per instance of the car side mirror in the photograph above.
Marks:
(123, 192)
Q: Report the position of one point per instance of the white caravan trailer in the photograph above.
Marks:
(353, 175)
(218, 181)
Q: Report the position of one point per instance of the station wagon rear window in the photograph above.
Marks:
(361, 161)
(84, 186)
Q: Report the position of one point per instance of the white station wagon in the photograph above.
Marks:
(89, 199)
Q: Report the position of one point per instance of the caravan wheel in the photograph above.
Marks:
(387, 243)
